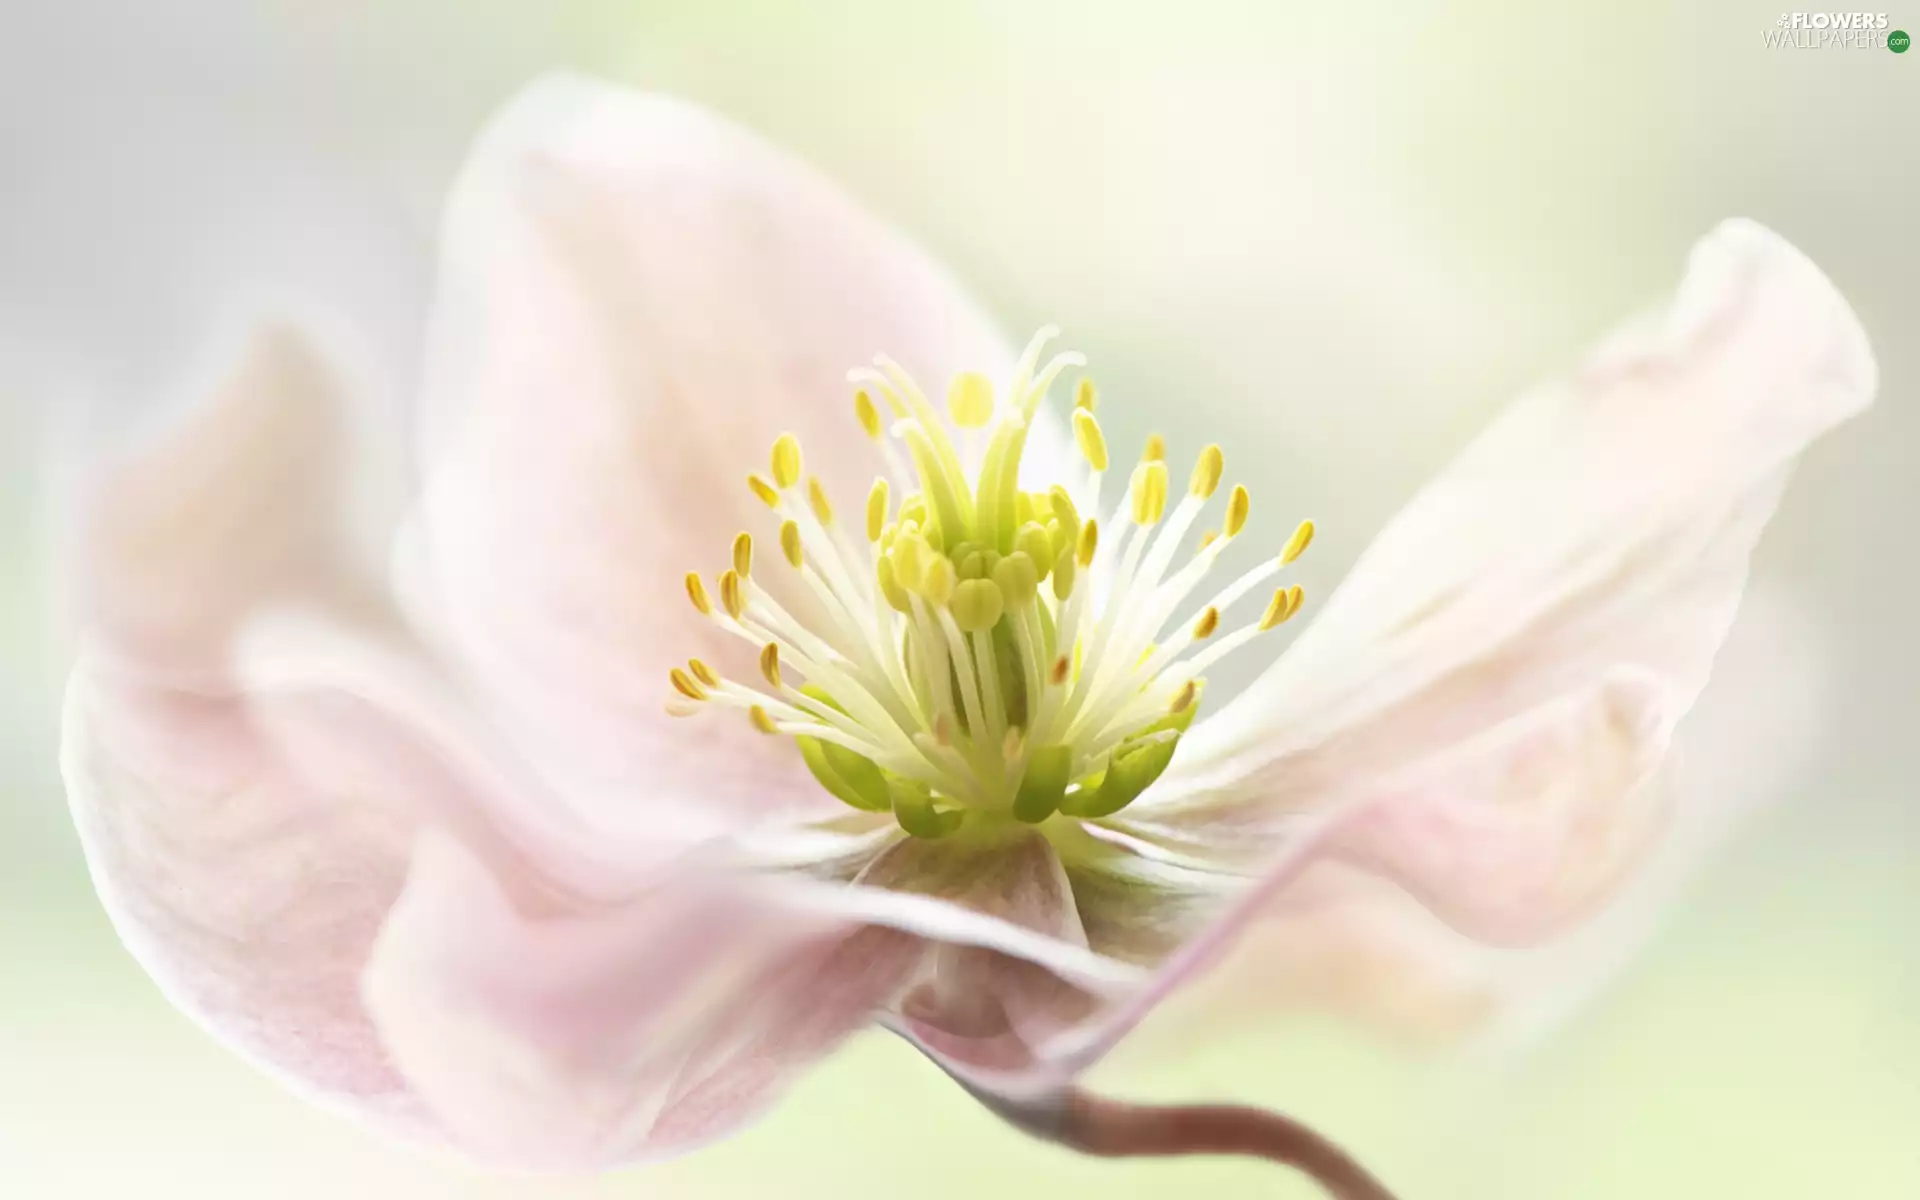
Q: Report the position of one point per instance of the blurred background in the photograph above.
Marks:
(1342, 234)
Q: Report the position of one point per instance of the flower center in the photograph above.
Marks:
(983, 652)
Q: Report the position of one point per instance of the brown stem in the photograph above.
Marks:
(1071, 1117)
(1115, 1129)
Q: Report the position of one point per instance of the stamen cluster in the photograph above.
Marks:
(983, 652)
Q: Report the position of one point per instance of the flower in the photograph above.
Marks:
(370, 759)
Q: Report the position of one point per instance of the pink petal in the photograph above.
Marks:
(1601, 526)
(973, 1004)
(608, 1033)
(637, 297)
(257, 495)
(250, 890)
(1347, 941)
(1479, 713)
(1603, 522)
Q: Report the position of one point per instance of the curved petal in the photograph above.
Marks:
(636, 299)
(264, 490)
(249, 889)
(1603, 525)
(603, 1034)
(1480, 713)
(974, 1004)
(1346, 941)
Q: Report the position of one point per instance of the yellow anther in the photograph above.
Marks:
(877, 500)
(1208, 622)
(1298, 543)
(1017, 578)
(977, 604)
(732, 595)
(685, 685)
(817, 501)
(897, 597)
(1285, 602)
(938, 581)
(970, 400)
(1093, 443)
(1184, 698)
(1032, 541)
(910, 556)
(761, 720)
(743, 554)
(770, 664)
(869, 415)
(1084, 395)
(786, 461)
(1063, 573)
(1206, 473)
(1089, 542)
(704, 673)
(943, 730)
(1063, 507)
(764, 490)
(1148, 492)
(1238, 505)
(697, 592)
(1208, 538)
(790, 542)
(1062, 667)
(1156, 449)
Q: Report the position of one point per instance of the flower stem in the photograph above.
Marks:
(1072, 1117)
(1116, 1129)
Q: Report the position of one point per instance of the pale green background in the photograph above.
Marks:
(1333, 235)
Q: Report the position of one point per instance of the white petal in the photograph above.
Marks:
(637, 298)
(1603, 521)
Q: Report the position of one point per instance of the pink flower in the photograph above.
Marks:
(370, 756)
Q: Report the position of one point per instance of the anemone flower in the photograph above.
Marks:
(424, 772)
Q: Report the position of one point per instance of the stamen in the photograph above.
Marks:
(817, 501)
(1285, 602)
(1093, 443)
(877, 509)
(1298, 543)
(1148, 491)
(1206, 473)
(1208, 622)
(786, 461)
(982, 649)
(697, 592)
(867, 414)
(1239, 504)
(684, 684)
(970, 400)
